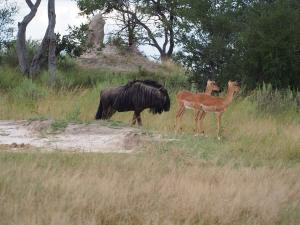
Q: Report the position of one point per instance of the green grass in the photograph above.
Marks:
(251, 176)
(250, 137)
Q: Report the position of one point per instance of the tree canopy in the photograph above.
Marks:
(255, 41)
(153, 20)
(7, 12)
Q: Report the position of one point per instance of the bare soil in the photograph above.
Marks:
(94, 137)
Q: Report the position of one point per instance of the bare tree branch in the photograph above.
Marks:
(29, 3)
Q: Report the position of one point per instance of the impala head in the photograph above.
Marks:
(212, 86)
(233, 85)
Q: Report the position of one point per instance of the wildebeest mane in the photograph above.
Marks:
(152, 83)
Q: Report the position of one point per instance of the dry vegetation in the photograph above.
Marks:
(251, 177)
(148, 188)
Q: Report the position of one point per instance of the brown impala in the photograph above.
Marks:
(185, 98)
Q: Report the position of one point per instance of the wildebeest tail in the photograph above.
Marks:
(99, 111)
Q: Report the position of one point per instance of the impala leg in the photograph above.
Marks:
(197, 116)
(200, 121)
(179, 115)
(219, 115)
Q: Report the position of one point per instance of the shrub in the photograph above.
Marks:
(66, 63)
(29, 90)
(118, 42)
(9, 78)
(269, 100)
(9, 52)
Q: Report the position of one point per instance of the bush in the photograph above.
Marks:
(9, 78)
(8, 54)
(269, 100)
(66, 63)
(29, 90)
(118, 42)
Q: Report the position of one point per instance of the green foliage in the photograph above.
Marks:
(254, 41)
(119, 43)
(59, 125)
(8, 55)
(7, 12)
(9, 78)
(74, 115)
(66, 63)
(135, 16)
(271, 40)
(74, 43)
(269, 101)
(258, 130)
(27, 89)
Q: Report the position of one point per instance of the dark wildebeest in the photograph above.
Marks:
(135, 96)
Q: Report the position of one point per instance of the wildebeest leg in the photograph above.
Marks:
(133, 119)
(139, 119)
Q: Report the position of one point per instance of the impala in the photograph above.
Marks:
(185, 101)
(218, 105)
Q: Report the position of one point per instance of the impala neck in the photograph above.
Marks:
(208, 91)
(229, 97)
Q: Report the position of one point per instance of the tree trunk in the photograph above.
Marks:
(47, 46)
(40, 55)
(164, 57)
(21, 37)
(131, 37)
(21, 48)
(52, 41)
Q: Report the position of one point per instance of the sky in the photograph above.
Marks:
(67, 13)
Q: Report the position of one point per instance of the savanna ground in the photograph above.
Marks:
(251, 176)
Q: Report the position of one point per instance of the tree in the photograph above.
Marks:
(7, 13)
(156, 20)
(52, 41)
(254, 41)
(270, 44)
(75, 42)
(47, 47)
(209, 36)
(128, 28)
(21, 36)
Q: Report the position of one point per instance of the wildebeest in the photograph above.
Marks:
(135, 96)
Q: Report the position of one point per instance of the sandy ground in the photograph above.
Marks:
(93, 137)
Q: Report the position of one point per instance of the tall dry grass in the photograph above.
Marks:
(251, 177)
(247, 136)
(147, 188)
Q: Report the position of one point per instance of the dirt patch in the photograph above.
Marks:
(72, 137)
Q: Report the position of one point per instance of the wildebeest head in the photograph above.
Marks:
(163, 102)
(167, 103)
